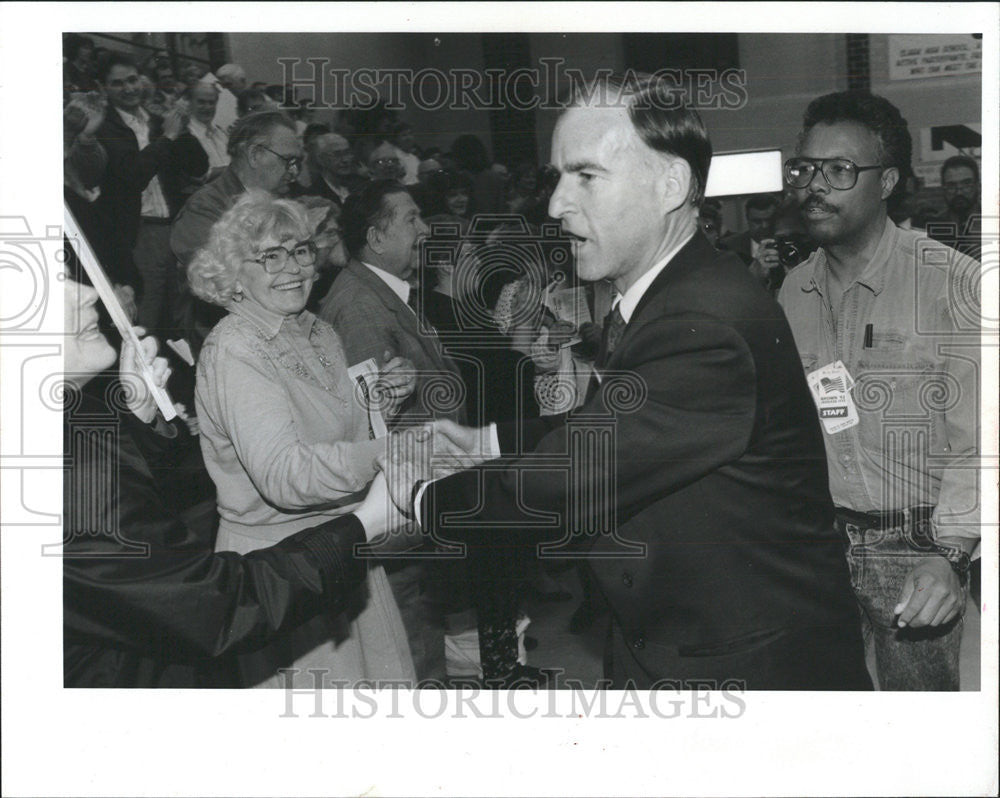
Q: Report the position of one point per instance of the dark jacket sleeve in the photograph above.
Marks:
(685, 408)
(130, 168)
(137, 577)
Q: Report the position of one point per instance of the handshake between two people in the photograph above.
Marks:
(412, 456)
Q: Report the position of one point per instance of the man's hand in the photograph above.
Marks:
(932, 595)
(767, 260)
(95, 105)
(175, 120)
(126, 296)
(457, 447)
(396, 380)
(138, 397)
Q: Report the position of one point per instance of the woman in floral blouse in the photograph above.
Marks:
(286, 433)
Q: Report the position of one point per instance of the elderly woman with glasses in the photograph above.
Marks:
(285, 433)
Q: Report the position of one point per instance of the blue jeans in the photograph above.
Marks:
(880, 556)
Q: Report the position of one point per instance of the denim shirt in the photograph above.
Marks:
(917, 376)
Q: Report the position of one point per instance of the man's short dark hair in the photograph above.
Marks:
(110, 61)
(73, 43)
(875, 113)
(762, 202)
(314, 130)
(960, 161)
(364, 209)
(659, 119)
(254, 128)
(711, 207)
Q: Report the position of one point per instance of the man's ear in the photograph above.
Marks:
(374, 240)
(674, 183)
(251, 155)
(890, 177)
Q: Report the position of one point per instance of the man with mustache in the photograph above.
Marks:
(886, 323)
(959, 228)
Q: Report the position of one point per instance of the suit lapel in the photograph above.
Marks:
(406, 319)
(696, 251)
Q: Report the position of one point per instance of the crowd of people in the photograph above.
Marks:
(369, 341)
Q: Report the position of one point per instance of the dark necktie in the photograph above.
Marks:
(614, 326)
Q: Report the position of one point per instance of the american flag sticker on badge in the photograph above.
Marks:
(831, 387)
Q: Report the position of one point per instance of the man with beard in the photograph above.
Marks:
(874, 304)
(960, 227)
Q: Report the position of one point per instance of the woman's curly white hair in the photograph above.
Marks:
(236, 237)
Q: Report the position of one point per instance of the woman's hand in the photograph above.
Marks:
(378, 513)
(138, 397)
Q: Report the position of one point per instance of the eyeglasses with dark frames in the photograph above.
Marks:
(291, 162)
(840, 173)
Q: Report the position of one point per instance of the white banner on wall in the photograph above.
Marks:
(917, 56)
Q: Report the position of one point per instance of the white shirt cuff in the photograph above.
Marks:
(494, 451)
(416, 502)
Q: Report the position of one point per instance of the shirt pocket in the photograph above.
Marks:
(809, 361)
(901, 403)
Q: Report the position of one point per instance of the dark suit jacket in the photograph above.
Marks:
(720, 473)
(371, 320)
(740, 244)
(154, 606)
(187, 165)
(319, 188)
(128, 172)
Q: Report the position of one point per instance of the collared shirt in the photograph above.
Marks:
(284, 434)
(908, 331)
(154, 203)
(629, 301)
(399, 287)
(226, 111)
(213, 140)
(340, 191)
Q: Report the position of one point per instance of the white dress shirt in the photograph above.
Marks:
(213, 140)
(629, 301)
(399, 287)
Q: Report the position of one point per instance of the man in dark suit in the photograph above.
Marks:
(334, 178)
(133, 207)
(371, 303)
(695, 473)
(370, 306)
